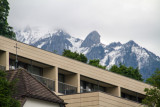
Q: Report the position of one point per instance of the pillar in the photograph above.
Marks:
(52, 73)
(4, 59)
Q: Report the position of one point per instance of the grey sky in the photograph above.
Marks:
(115, 20)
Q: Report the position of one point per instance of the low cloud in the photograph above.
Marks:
(115, 20)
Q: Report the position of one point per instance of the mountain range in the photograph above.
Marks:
(129, 54)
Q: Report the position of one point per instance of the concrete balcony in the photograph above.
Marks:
(97, 99)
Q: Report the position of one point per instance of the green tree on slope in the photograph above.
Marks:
(95, 62)
(75, 55)
(7, 89)
(152, 98)
(5, 29)
(127, 71)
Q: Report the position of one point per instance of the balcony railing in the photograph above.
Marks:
(85, 91)
(47, 82)
(89, 90)
(66, 88)
(3, 68)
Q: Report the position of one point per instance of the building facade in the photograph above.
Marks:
(79, 84)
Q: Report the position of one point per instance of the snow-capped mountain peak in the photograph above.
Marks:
(131, 43)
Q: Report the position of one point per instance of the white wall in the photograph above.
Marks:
(39, 103)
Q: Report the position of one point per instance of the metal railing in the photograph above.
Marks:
(47, 82)
(3, 68)
(66, 88)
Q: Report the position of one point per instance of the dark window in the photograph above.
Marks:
(35, 70)
(61, 78)
(95, 87)
(140, 100)
(11, 64)
(123, 95)
(131, 97)
(102, 88)
(89, 87)
(32, 69)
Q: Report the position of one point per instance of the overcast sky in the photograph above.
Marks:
(115, 20)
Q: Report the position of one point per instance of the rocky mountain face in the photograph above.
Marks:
(130, 53)
(91, 39)
(56, 42)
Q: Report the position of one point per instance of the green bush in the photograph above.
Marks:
(75, 55)
(95, 62)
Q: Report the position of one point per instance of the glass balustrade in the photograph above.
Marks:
(62, 87)
(66, 88)
(47, 82)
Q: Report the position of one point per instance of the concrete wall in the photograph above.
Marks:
(39, 103)
(82, 100)
(77, 67)
(97, 99)
(116, 91)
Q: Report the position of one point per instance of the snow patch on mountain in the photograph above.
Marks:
(39, 46)
(118, 47)
(103, 61)
(158, 59)
(111, 56)
(76, 44)
(84, 50)
(29, 37)
(141, 54)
